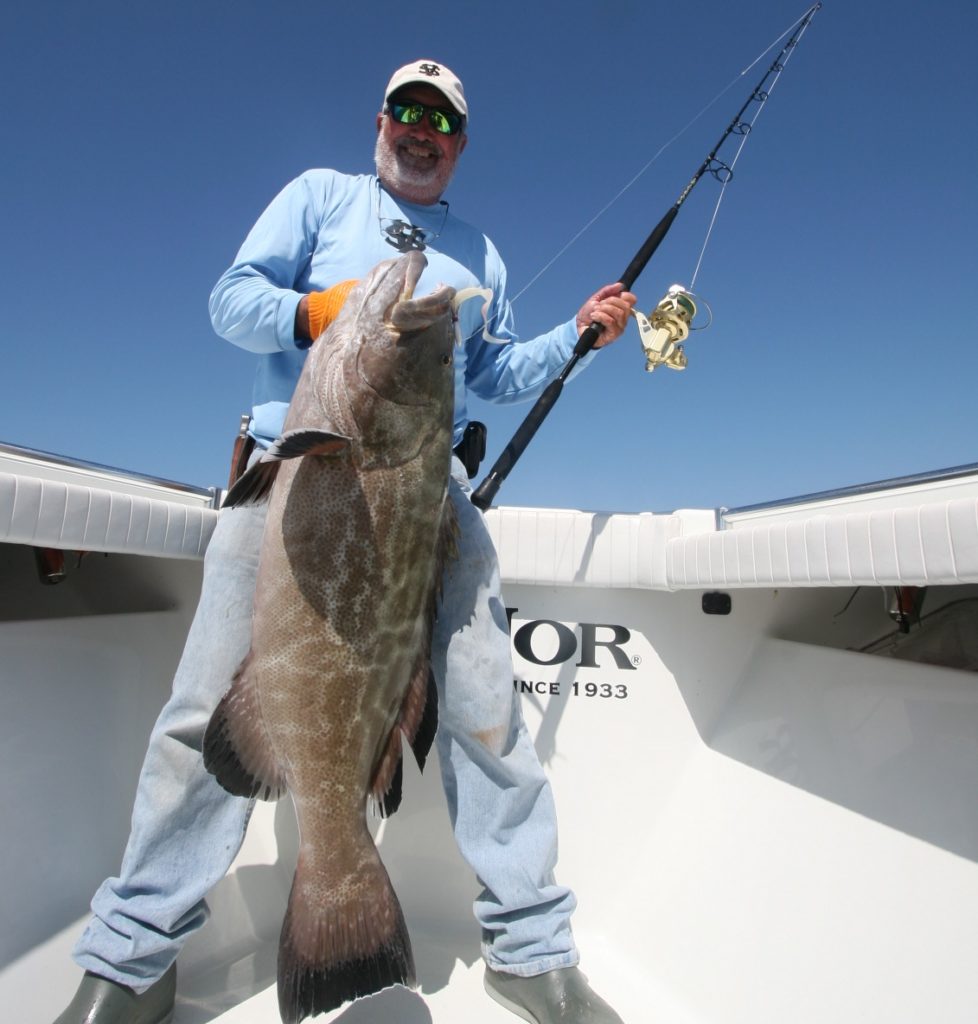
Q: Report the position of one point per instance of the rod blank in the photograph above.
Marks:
(483, 495)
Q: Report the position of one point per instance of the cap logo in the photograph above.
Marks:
(431, 70)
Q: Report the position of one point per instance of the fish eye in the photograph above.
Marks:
(446, 360)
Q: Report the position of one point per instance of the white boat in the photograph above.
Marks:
(764, 749)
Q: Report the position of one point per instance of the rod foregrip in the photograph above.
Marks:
(651, 243)
(483, 495)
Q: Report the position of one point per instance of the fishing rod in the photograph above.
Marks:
(484, 494)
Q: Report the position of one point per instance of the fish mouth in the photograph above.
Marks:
(410, 314)
(407, 313)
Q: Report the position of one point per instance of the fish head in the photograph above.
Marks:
(406, 344)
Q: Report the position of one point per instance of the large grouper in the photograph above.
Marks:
(358, 533)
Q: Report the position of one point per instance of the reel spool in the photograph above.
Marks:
(665, 329)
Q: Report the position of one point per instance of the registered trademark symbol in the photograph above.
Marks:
(636, 659)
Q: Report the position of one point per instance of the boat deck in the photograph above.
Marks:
(767, 810)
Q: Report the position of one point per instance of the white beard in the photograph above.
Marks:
(417, 184)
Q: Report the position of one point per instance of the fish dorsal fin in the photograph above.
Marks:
(385, 786)
(254, 485)
(418, 718)
(447, 550)
(421, 732)
(418, 721)
(419, 713)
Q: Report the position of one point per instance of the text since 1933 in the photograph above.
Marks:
(617, 691)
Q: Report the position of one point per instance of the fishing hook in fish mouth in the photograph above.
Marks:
(463, 295)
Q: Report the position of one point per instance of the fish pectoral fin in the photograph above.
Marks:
(253, 485)
(308, 441)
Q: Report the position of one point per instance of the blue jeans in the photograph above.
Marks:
(186, 830)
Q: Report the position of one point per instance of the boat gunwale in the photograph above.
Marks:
(855, 490)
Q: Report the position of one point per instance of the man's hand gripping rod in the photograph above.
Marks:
(483, 495)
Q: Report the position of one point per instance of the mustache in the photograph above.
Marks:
(424, 144)
(426, 183)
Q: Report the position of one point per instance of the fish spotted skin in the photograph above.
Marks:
(358, 530)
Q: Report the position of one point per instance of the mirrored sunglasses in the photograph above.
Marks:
(448, 122)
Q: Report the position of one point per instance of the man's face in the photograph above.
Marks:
(415, 161)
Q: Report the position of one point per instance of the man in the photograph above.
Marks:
(285, 285)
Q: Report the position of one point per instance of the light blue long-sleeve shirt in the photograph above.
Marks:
(326, 227)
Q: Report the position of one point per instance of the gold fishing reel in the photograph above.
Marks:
(666, 328)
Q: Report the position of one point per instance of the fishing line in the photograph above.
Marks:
(614, 199)
(678, 299)
(743, 141)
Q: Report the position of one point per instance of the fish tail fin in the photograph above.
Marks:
(237, 750)
(336, 949)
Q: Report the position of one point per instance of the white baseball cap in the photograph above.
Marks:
(430, 72)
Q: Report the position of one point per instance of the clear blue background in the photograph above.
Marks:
(140, 142)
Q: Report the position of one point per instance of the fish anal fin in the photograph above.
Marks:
(236, 749)
(333, 952)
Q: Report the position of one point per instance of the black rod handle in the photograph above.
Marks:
(651, 243)
(482, 496)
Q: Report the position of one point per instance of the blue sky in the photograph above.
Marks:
(140, 142)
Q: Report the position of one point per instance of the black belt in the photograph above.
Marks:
(471, 450)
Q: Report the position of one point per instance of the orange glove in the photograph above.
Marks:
(324, 307)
